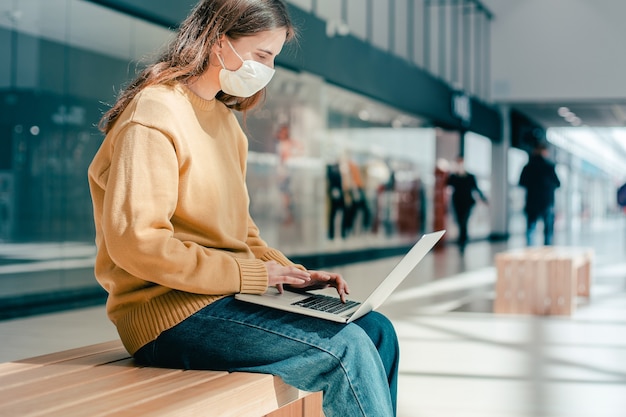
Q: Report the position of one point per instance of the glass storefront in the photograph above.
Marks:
(517, 158)
(328, 167)
(477, 151)
(328, 170)
(62, 63)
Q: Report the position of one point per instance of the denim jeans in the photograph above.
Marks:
(547, 217)
(355, 365)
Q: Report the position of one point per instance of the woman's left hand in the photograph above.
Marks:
(323, 279)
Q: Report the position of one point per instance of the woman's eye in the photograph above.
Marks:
(266, 60)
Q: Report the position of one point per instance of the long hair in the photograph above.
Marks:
(188, 53)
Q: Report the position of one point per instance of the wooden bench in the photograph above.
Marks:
(103, 380)
(542, 280)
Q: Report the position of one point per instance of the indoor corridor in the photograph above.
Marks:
(458, 358)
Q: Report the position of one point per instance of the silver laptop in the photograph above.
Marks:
(330, 307)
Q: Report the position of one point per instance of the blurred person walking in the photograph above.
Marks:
(464, 187)
(540, 180)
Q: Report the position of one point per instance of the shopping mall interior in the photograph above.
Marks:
(373, 103)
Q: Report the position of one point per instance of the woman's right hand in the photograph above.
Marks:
(278, 275)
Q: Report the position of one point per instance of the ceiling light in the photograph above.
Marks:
(396, 123)
(563, 111)
(570, 117)
(364, 115)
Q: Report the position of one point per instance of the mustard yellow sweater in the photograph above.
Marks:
(173, 229)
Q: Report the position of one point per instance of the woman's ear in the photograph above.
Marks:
(221, 40)
(217, 46)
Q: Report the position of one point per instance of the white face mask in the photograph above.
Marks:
(250, 78)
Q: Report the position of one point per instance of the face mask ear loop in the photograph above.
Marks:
(219, 58)
(233, 48)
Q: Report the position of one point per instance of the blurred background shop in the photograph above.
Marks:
(348, 156)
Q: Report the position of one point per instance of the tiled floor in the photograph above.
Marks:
(458, 359)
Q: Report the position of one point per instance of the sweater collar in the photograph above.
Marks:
(194, 99)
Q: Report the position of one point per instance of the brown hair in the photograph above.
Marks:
(188, 54)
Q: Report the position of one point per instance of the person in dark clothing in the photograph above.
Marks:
(464, 188)
(541, 181)
(336, 199)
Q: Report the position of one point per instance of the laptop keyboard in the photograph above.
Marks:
(325, 303)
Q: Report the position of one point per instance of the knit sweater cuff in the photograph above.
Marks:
(275, 255)
(253, 276)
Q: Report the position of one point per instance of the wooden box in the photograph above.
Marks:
(542, 280)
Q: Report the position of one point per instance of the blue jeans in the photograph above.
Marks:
(355, 365)
(547, 217)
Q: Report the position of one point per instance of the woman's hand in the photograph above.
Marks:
(278, 275)
(323, 279)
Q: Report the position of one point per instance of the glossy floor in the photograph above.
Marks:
(458, 359)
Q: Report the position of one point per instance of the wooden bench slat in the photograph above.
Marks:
(94, 398)
(148, 384)
(255, 394)
(103, 380)
(63, 382)
(26, 376)
(37, 361)
(74, 353)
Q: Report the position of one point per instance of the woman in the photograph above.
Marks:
(175, 239)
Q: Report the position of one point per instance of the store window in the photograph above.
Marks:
(517, 158)
(328, 167)
(478, 161)
(63, 61)
(66, 61)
